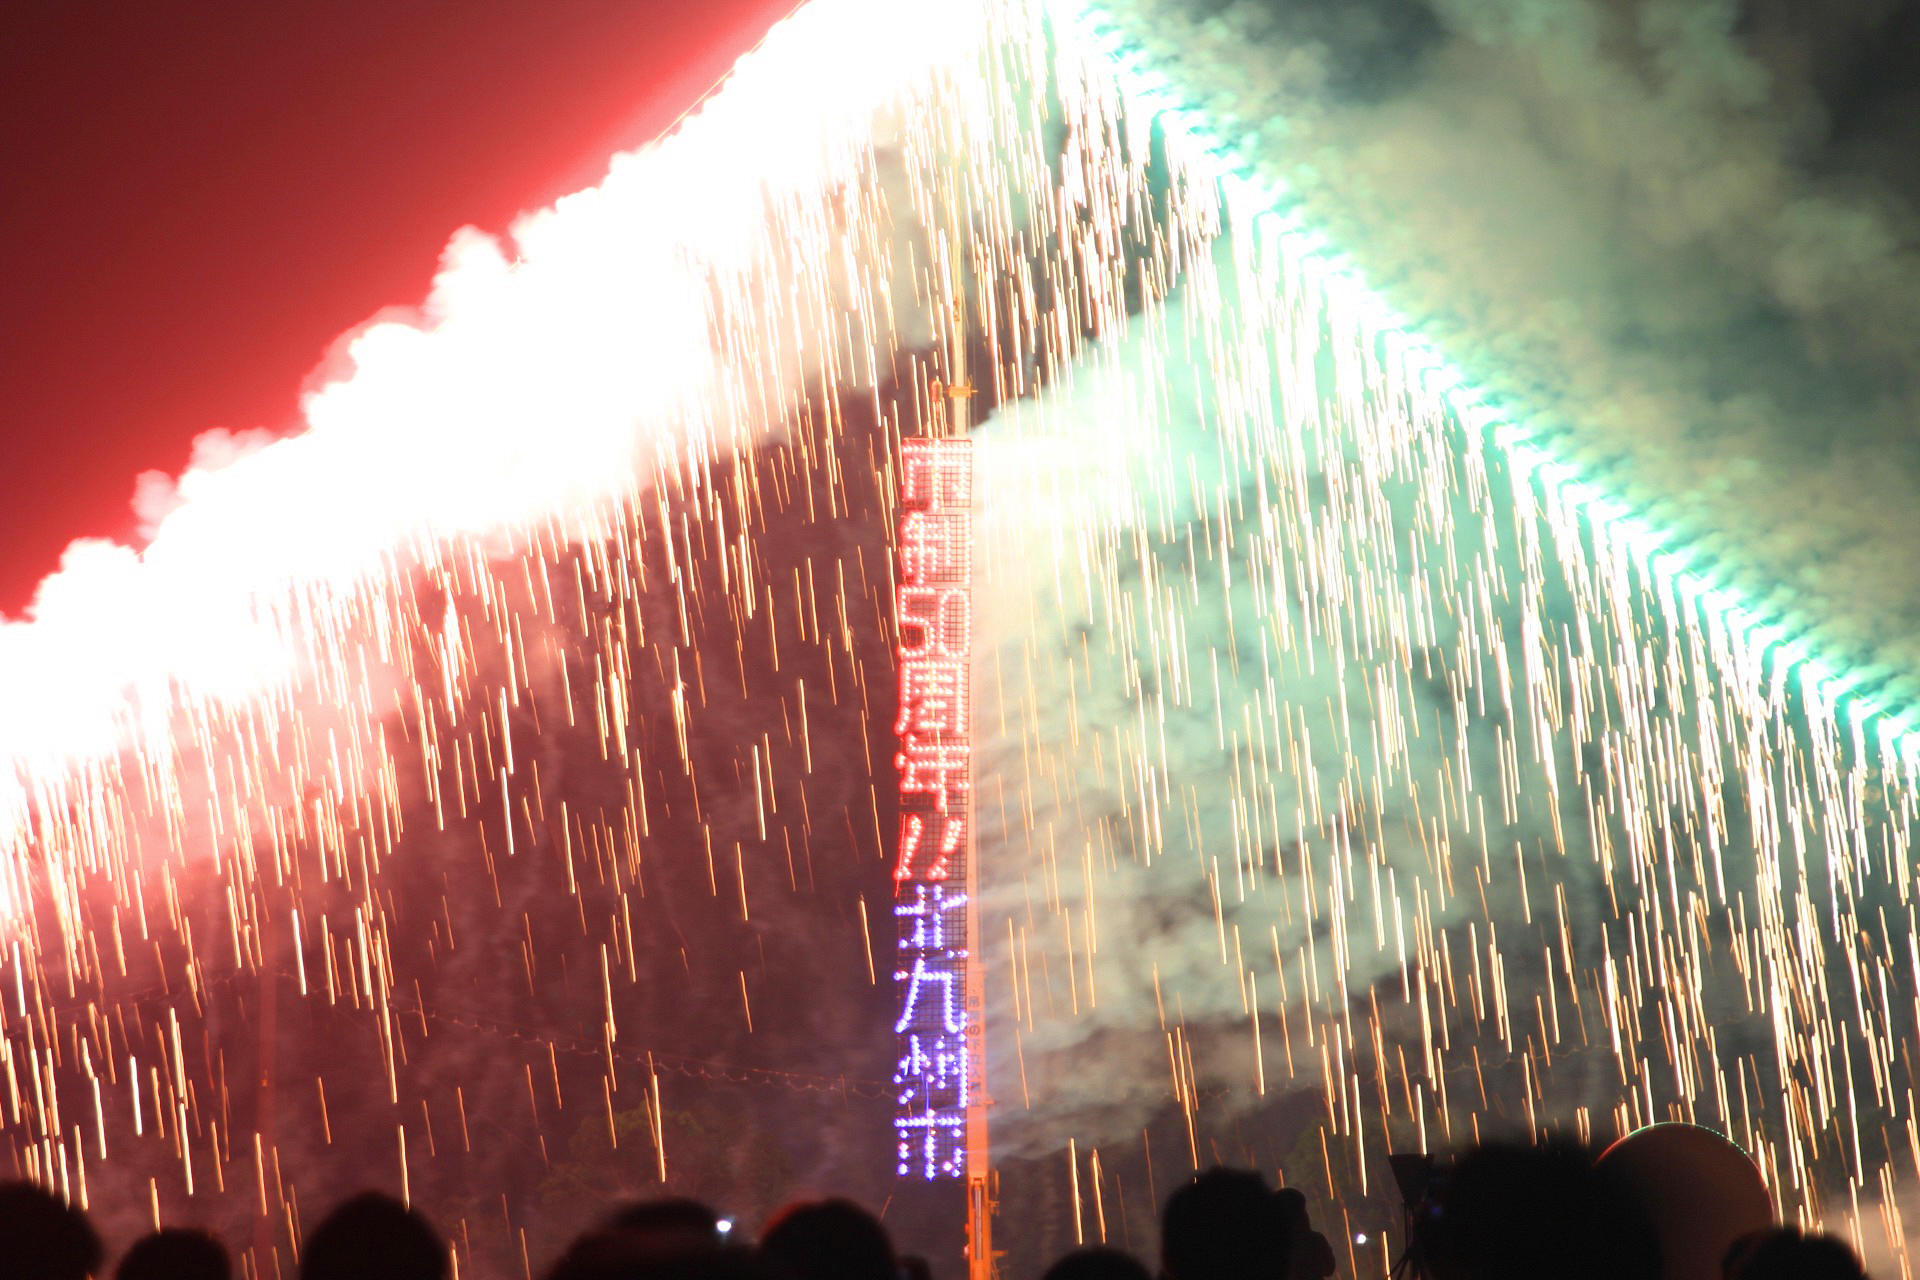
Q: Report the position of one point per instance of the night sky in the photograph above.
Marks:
(199, 199)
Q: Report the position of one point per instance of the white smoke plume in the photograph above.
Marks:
(1331, 756)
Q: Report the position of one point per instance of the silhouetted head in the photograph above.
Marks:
(1521, 1212)
(42, 1237)
(175, 1254)
(1097, 1264)
(829, 1240)
(1224, 1225)
(373, 1237)
(666, 1227)
(1309, 1255)
(1700, 1191)
(1787, 1253)
(671, 1239)
(617, 1255)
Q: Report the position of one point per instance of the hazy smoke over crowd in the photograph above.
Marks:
(1251, 811)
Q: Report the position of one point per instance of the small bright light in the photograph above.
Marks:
(1360, 1238)
(724, 1226)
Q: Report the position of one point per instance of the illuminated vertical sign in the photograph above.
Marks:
(936, 1078)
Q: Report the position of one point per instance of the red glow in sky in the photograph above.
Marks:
(199, 199)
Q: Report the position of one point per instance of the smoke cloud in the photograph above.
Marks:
(1305, 713)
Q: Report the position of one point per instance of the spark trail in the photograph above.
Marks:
(439, 780)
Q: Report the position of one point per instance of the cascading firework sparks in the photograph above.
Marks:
(437, 781)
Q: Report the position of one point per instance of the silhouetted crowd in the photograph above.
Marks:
(1673, 1210)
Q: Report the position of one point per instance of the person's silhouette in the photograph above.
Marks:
(666, 1239)
(1310, 1255)
(1097, 1264)
(609, 1255)
(175, 1254)
(1225, 1225)
(42, 1237)
(670, 1225)
(1700, 1191)
(829, 1240)
(1515, 1212)
(1787, 1253)
(373, 1237)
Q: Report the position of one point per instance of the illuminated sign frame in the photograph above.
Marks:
(937, 1074)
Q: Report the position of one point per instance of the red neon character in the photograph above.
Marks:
(943, 770)
(933, 698)
(935, 622)
(935, 547)
(936, 474)
(915, 839)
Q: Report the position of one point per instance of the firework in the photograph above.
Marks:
(445, 792)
